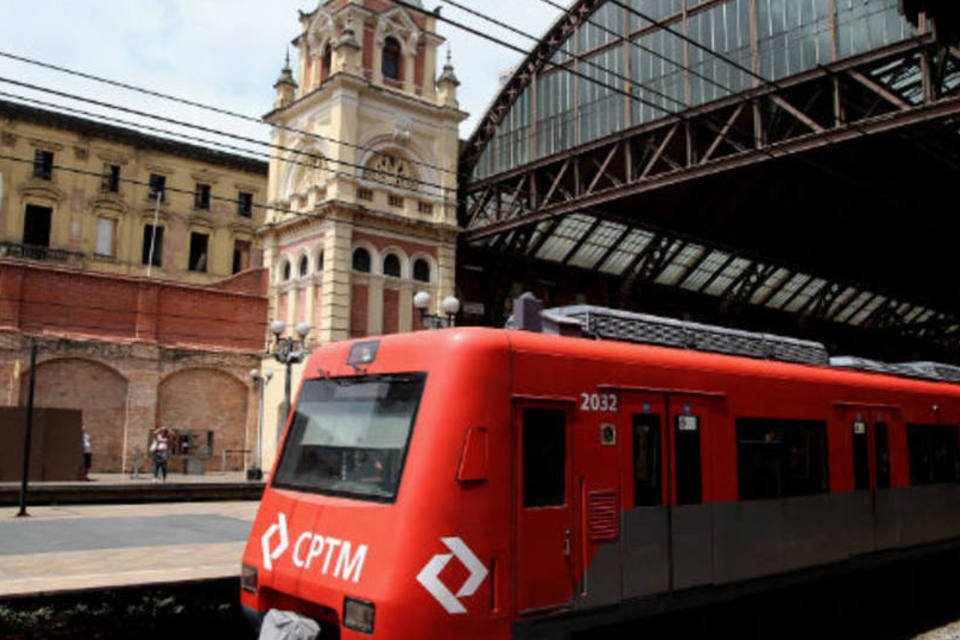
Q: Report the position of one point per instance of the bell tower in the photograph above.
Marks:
(363, 183)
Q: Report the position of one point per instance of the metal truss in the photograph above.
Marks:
(916, 81)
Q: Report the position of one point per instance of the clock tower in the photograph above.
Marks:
(363, 184)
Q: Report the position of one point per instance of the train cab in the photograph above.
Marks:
(380, 517)
(483, 483)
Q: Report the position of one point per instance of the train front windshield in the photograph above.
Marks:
(349, 436)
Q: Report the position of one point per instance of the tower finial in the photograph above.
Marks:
(287, 63)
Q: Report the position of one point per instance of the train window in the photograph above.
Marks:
(687, 445)
(781, 458)
(934, 455)
(861, 465)
(349, 436)
(882, 446)
(544, 458)
(646, 460)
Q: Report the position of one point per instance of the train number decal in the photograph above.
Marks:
(604, 402)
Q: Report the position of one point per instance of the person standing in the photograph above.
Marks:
(87, 454)
(160, 448)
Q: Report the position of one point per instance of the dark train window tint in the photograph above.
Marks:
(544, 458)
(861, 465)
(882, 446)
(646, 460)
(934, 455)
(687, 445)
(781, 458)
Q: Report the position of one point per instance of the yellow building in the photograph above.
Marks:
(82, 193)
(365, 189)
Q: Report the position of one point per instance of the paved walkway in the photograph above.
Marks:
(229, 477)
(70, 548)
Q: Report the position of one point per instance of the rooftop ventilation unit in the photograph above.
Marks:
(923, 370)
(641, 328)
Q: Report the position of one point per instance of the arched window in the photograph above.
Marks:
(391, 266)
(325, 64)
(304, 266)
(286, 270)
(320, 263)
(421, 270)
(361, 260)
(391, 59)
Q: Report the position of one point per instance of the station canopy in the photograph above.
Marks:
(795, 157)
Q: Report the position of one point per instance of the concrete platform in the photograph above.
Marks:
(124, 489)
(66, 549)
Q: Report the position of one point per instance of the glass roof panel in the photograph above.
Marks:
(787, 290)
(864, 313)
(705, 271)
(537, 232)
(597, 244)
(633, 244)
(803, 298)
(854, 305)
(845, 297)
(679, 265)
(725, 279)
(565, 237)
(775, 280)
(914, 313)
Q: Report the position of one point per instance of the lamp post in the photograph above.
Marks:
(255, 472)
(450, 305)
(287, 351)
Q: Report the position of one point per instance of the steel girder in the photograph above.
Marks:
(883, 91)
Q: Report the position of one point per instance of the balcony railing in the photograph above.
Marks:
(41, 254)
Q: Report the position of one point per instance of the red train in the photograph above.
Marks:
(483, 483)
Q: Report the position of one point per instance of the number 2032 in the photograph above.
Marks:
(598, 402)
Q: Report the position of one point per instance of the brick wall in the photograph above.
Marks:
(97, 390)
(359, 305)
(391, 311)
(38, 299)
(207, 400)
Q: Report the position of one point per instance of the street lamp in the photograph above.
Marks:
(450, 305)
(287, 351)
(255, 472)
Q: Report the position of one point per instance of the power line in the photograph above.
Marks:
(765, 151)
(200, 105)
(210, 130)
(643, 48)
(254, 155)
(512, 47)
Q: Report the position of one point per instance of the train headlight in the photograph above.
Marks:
(248, 578)
(358, 615)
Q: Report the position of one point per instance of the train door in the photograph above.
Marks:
(547, 545)
(668, 532)
(691, 513)
(869, 432)
(645, 532)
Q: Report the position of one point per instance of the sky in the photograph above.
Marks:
(222, 53)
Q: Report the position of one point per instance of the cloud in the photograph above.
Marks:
(223, 53)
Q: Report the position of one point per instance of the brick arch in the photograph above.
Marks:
(202, 400)
(94, 388)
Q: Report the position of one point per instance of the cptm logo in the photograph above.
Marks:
(313, 548)
(429, 576)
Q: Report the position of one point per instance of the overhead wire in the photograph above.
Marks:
(211, 130)
(200, 105)
(770, 153)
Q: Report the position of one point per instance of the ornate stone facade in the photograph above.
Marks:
(365, 205)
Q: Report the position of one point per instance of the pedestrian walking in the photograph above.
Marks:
(160, 449)
(87, 454)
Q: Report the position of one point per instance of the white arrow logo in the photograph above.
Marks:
(269, 556)
(429, 575)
